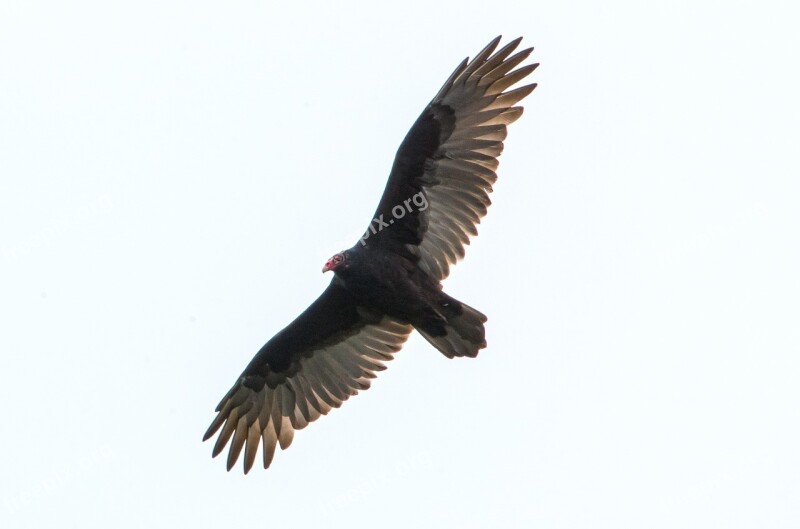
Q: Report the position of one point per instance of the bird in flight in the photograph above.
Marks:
(389, 282)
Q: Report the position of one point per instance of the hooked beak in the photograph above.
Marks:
(328, 266)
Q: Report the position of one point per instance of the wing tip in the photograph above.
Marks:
(515, 42)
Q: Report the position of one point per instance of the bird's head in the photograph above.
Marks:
(337, 262)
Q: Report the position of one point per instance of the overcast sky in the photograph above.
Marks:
(174, 175)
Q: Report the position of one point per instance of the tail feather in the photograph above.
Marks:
(464, 333)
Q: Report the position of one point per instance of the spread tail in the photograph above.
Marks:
(457, 329)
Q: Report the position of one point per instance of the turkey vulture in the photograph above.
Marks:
(389, 282)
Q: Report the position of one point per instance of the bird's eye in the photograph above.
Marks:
(338, 259)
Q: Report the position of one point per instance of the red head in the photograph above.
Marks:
(335, 262)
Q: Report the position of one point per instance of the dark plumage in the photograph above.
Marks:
(389, 282)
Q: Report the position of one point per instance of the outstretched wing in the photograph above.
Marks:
(440, 182)
(330, 352)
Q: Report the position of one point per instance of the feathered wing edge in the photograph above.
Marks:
(459, 177)
(255, 412)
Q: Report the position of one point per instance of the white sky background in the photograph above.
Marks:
(174, 176)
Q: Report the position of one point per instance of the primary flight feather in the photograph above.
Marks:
(389, 282)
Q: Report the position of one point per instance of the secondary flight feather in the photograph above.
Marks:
(389, 283)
